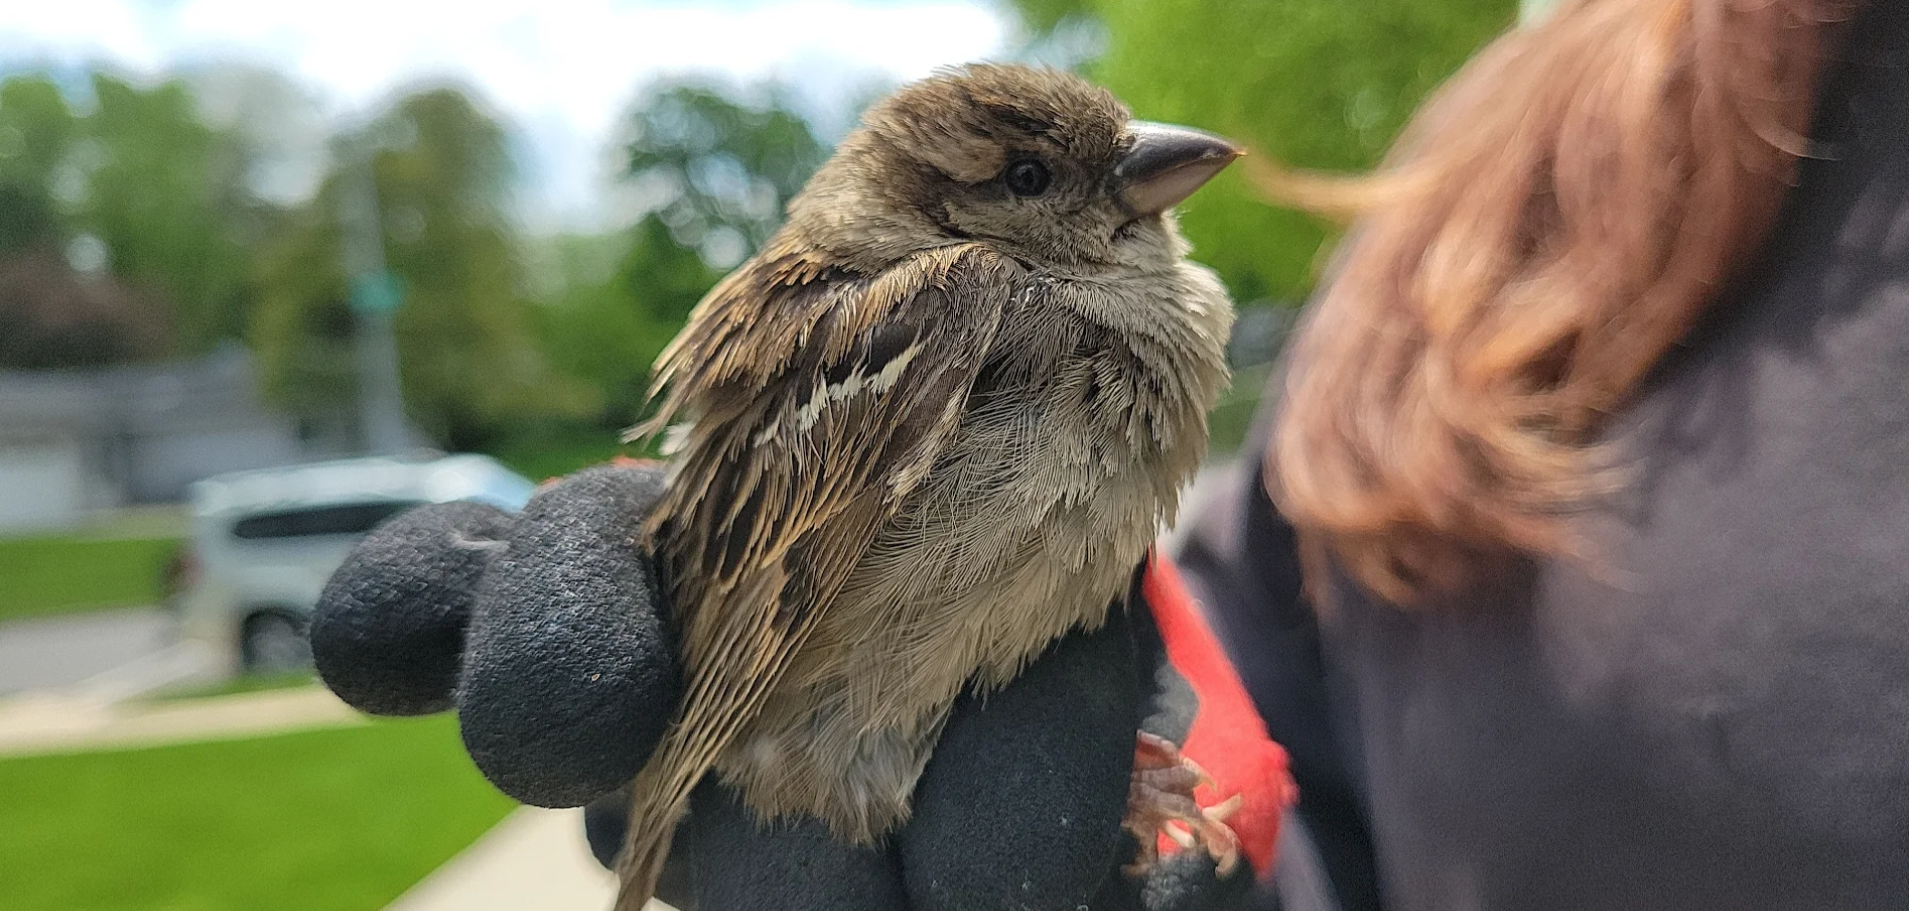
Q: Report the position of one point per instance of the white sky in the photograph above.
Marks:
(561, 72)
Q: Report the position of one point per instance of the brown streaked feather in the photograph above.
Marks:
(798, 477)
(790, 466)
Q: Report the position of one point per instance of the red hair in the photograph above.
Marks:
(1552, 221)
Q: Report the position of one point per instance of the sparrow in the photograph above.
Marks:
(930, 427)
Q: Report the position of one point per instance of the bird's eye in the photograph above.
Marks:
(1027, 178)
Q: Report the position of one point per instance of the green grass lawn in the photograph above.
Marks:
(332, 820)
(59, 573)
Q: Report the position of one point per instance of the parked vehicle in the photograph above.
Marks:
(263, 543)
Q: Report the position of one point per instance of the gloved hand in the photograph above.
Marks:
(546, 632)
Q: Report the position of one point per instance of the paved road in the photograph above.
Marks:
(57, 652)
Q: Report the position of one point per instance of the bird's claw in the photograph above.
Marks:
(1160, 802)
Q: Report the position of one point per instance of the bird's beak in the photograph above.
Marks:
(1166, 164)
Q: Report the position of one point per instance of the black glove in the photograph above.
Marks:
(545, 632)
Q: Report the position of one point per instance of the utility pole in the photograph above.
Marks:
(375, 297)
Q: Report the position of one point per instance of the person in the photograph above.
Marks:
(1590, 456)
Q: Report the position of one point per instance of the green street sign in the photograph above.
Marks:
(378, 292)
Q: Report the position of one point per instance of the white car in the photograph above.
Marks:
(264, 542)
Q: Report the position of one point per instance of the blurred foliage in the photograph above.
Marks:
(712, 173)
(37, 133)
(156, 219)
(143, 221)
(720, 167)
(167, 197)
(1311, 83)
(664, 278)
(467, 349)
(1043, 17)
(329, 820)
(606, 326)
(549, 449)
(125, 231)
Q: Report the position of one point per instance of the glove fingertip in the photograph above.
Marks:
(570, 675)
(387, 631)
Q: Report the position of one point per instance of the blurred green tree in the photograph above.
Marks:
(168, 196)
(37, 132)
(710, 172)
(468, 348)
(127, 228)
(615, 316)
(1312, 83)
(280, 125)
(717, 169)
(1042, 17)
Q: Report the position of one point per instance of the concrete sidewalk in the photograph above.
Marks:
(535, 860)
(71, 722)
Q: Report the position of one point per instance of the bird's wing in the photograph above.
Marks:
(817, 402)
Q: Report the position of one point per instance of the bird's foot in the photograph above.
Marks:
(1160, 802)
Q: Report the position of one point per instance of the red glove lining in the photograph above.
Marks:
(1227, 737)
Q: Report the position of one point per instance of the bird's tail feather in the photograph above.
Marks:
(659, 802)
(718, 704)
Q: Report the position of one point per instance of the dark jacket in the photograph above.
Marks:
(1715, 715)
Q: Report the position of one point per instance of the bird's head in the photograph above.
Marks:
(1048, 167)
